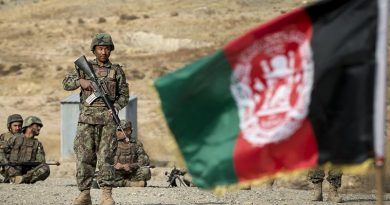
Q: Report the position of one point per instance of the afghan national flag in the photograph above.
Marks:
(303, 89)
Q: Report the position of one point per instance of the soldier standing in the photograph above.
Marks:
(131, 160)
(316, 176)
(26, 148)
(95, 141)
(14, 126)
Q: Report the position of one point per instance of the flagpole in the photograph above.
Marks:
(380, 99)
(379, 176)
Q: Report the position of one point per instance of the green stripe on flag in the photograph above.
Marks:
(203, 116)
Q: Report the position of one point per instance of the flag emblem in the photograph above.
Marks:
(271, 84)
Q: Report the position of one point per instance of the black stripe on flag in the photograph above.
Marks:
(341, 110)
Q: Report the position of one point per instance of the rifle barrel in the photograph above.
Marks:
(12, 164)
(53, 163)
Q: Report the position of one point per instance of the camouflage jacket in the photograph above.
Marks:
(114, 79)
(21, 149)
(3, 144)
(6, 136)
(132, 153)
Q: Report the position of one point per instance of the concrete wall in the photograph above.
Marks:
(69, 118)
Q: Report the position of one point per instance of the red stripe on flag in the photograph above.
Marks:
(298, 151)
(297, 17)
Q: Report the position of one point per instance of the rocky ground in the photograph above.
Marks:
(62, 190)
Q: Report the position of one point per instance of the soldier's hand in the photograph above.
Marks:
(120, 135)
(118, 166)
(110, 112)
(126, 167)
(86, 84)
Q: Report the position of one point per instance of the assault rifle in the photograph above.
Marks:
(27, 164)
(175, 174)
(100, 90)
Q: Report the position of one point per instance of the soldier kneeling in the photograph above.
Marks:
(23, 148)
(131, 161)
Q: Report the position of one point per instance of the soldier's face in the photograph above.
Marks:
(102, 53)
(36, 129)
(128, 132)
(16, 127)
(121, 136)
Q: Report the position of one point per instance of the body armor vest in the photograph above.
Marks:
(108, 78)
(126, 153)
(24, 150)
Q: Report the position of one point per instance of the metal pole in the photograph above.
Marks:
(380, 98)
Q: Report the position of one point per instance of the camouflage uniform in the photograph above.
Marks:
(3, 142)
(3, 159)
(6, 136)
(12, 118)
(95, 141)
(334, 176)
(131, 153)
(22, 149)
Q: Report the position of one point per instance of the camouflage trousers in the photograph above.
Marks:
(4, 172)
(317, 176)
(30, 175)
(95, 145)
(141, 174)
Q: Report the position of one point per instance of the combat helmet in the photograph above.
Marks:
(14, 118)
(31, 120)
(102, 39)
(125, 124)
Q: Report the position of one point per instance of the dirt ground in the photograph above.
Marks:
(62, 191)
(61, 188)
(40, 39)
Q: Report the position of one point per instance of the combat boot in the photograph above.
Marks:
(84, 198)
(333, 195)
(246, 188)
(317, 193)
(17, 179)
(95, 185)
(269, 185)
(129, 183)
(106, 197)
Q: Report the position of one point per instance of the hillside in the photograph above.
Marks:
(40, 40)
